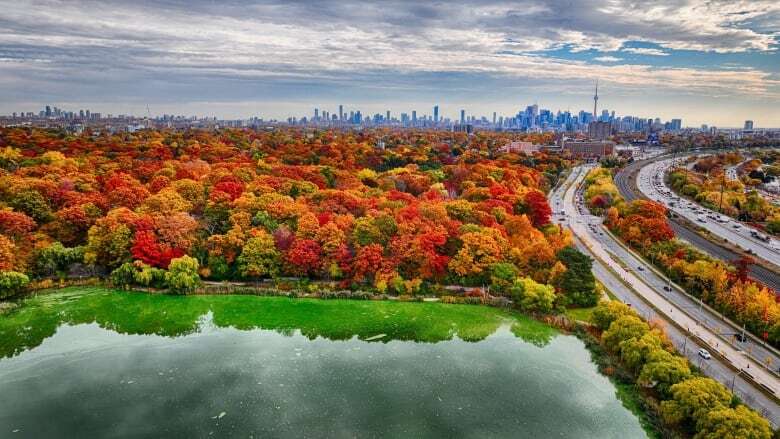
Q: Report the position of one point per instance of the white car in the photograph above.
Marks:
(704, 354)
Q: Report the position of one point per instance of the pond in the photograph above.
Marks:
(98, 363)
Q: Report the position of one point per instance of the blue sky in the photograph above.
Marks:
(712, 62)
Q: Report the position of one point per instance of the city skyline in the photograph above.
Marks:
(705, 62)
(532, 118)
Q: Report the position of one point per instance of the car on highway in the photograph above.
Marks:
(704, 354)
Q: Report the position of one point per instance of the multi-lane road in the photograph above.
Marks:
(624, 180)
(690, 325)
(650, 181)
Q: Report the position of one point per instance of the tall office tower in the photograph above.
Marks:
(435, 114)
(596, 98)
(676, 124)
(316, 113)
(462, 117)
(387, 119)
(414, 116)
(48, 111)
(748, 125)
(341, 112)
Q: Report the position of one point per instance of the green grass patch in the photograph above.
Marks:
(580, 314)
(38, 317)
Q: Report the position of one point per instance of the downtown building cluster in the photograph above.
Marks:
(532, 119)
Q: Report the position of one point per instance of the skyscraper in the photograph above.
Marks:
(414, 117)
(435, 114)
(341, 112)
(596, 99)
(387, 119)
(748, 125)
(462, 117)
(316, 113)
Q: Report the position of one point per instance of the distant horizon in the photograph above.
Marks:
(105, 110)
(714, 63)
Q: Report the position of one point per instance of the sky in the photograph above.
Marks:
(705, 61)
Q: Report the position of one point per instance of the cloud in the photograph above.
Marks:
(644, 51)
(202, 50)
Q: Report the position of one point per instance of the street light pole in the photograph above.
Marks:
(733, 379)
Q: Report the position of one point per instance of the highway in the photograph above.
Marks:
(650, 181)
(689, 324)
(624, 182)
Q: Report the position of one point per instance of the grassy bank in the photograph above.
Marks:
(37, 317)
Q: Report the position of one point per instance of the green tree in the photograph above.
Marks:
(12, 283)
(266, 221)
(622, 329)
(366, 232)
(182, 276)
(635, 351)
(577, 282)
(663, 370)
(149, 276)
(218, 267)
(124, 275)
(259, 257)
(532, 296)
(733, 423)
(32, 203)
(502, 276)
(692, 399)
(609, 311)
(57, 258)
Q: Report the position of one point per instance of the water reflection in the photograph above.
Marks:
(171, 316)
(135, 365)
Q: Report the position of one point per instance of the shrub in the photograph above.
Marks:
(12, 283)
(532, 296)
(124, 275)
(182, 276)
(150, 276)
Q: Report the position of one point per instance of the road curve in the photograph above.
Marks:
(686, 334)
(627, 187)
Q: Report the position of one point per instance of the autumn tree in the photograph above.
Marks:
(539, 210)
(303, 257)
(739, 422)
(692, 399)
